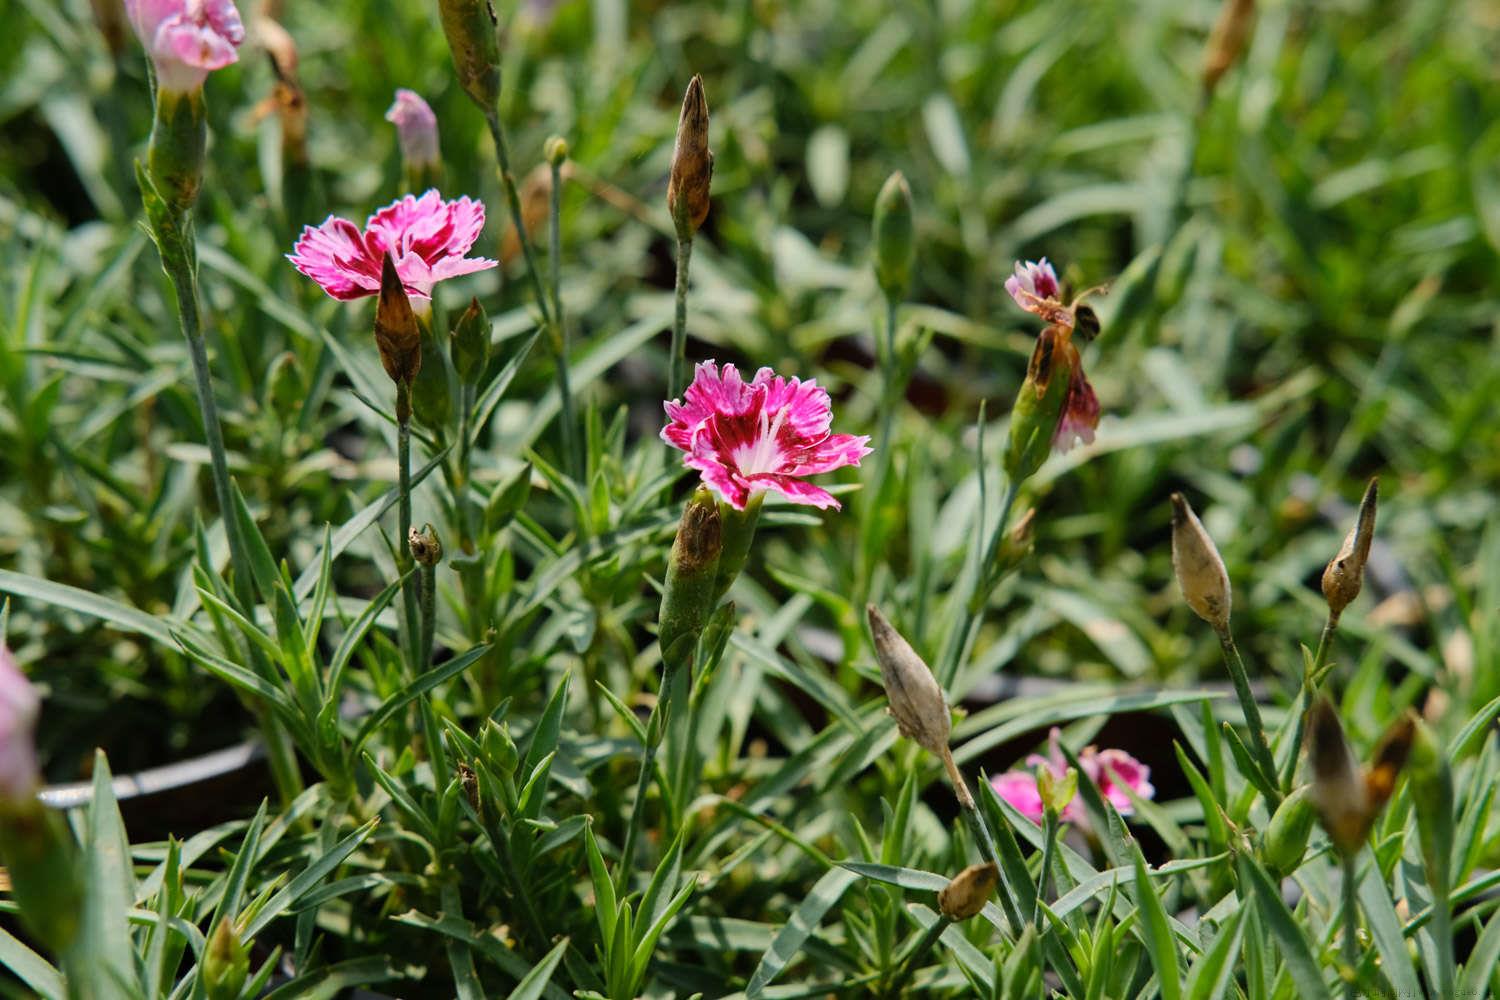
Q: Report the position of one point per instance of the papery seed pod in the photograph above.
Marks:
(968, 891)
(893, 236)
(1345, 573)
(426, 547)
(397, 334)
(509, 497)
(1200, 571)
(431, 396)
(469, 343)
(916, 701)
(1286, 836)
(692, 568)
(1338, 788)
(472, 32)
(1227, 42)
(692, 163)
(226, 963)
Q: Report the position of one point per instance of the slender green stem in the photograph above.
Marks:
(1258, 743)
(656, 727)
(177, 255)
(466, 526)
(1309, 690)
(569, 415)
(1049, 846)
(890, 373)
(409, 595)
(915, 955)
(429, 615)
(959, 640)
(678, 361)
(513, 202)
(1351, 927)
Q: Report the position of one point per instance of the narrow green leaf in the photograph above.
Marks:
(1295, 955)
(104, 945)
(416, 689)
(1157, 933)
(1211, 974)
(531, 987)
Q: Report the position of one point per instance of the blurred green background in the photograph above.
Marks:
(1309, 298)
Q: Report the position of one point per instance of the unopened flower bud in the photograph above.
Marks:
(893, 235)
(426, 549)
(1286, 836)
(174, 157)
(692, 163)
(692, 569)
(968, 891)
(1038, 410)
(916, 701)
(555, 150)
(1227, 41)
(397, 334)
(1345, 573)
(225, 964)
(470, 343)
(499, 749)
(285, 390)
(471, 29)
(1200, 571)
(1056, 792)
(509, 497)
(431, 397)
(417, 132)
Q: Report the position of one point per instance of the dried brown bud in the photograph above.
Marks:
(916, 701)
(969, 890)
(1348, 797)
(1345, 573)
(425, 546)
(1227, 41)
(1200, 571)
(692, 163)
(396, 331)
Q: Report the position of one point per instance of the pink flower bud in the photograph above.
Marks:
(19, 775)
(416, 128)
(186, 39)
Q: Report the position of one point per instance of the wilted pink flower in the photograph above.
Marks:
(1035, 288)
(19, 776)
(427, 238)
(766, 434)
(1036, 280)
(1080, 415)
(187, 38)
(416, 128)
(1112, 771)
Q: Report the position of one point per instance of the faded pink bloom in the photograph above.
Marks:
(1034, 287)
(416, 128)
(427, 238)
(1080, 413)
(746, 438)
(186, 39)
(1112, 771)
(19, 775)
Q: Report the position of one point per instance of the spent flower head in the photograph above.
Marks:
(765, 434)
(692, 163)
(187, 39)
(426, 237)
(1347, 795)
(1200, 571)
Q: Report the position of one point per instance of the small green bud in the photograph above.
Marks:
(509, 497)
(472, 32)
(285, 389)
(692, 569)
(469, 343)
(1286, 836)
(431, 398)
(499, 749)
(895, 246)
(1056, 793)
(226, 964)
(174, 158)
(555, 150)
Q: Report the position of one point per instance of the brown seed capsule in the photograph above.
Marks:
(969, 890)
(692, 163)
(1345, 573)
(1227, 41)
(1200, 570)
(916, 701)
(396, 332)
(1338, 789)
(425, 546)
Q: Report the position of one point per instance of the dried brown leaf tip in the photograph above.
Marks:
(396, 332)
(1227, 42)
(916, 702)
(968, 891)
(1346, 571)
(692, 163)
(1200, 570)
